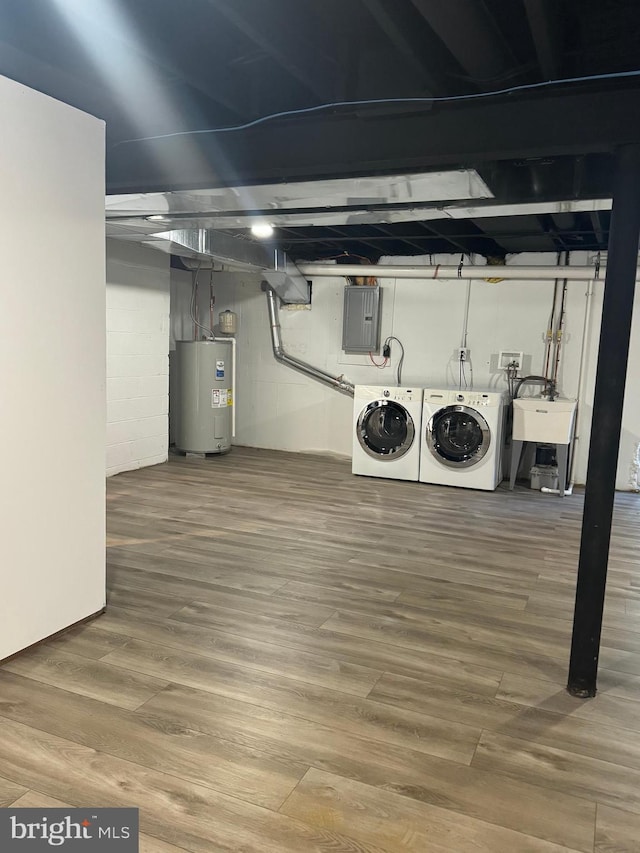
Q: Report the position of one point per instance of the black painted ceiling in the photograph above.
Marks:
(157, 67)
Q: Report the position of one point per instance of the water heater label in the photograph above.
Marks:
(220, 398)
(219, 369)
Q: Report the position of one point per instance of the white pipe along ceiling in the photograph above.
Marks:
(463, 271)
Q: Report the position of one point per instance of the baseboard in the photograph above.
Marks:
(89, 618)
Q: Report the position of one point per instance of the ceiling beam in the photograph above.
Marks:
(281, 39)
(544, 23)
(345, 145)
(355, 239)
(470, 34)
(428, 238)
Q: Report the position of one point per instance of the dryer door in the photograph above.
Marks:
(458, 436)
(385, 429)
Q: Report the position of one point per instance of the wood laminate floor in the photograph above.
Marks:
(295, 660)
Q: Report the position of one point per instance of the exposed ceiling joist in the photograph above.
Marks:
(229, 93)
(220, 95)
(548, 226)
(410, 241)
(156, 54)
(544, 23)
(597, 228)
(292, 235)
(31, 71)
(467, 244)
(226, 96)
(456, 242)
(283, 41)
(469, 32)
(389, 22)
(340, 234)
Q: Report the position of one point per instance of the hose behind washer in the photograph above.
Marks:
(542, 380)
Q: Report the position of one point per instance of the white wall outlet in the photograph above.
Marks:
(462, 354)
(510, 357)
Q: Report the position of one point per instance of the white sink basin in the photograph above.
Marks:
(536, 419)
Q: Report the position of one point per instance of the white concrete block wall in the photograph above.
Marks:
(281, 409)
(137, 356)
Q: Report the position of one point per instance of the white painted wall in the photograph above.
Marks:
(181, 327)
(52, 360)
(137, 356)
(281, 409)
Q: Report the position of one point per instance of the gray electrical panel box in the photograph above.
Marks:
(361, 318)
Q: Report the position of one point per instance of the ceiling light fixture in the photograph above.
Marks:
(157, 217)
(262, 230)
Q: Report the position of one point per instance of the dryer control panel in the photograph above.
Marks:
(471, 398)
(465, 397)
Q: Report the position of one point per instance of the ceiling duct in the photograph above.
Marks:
(364, 200)
(206, 246)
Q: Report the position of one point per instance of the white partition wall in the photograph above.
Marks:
(52, 367)
(137, 356)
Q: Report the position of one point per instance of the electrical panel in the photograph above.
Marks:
(361, 318)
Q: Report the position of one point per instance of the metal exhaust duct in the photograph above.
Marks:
(339, 383)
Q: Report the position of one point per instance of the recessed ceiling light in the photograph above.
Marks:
(262, 230)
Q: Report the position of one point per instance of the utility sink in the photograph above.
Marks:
(537, 419)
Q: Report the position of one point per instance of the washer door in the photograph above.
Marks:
(385, 429)
(458, 436)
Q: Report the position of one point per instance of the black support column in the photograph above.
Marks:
(606, 424)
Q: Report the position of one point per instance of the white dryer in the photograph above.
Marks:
(386, 432)
(462, 438)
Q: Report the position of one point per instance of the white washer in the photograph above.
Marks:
(386, 432)
(462, 438)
